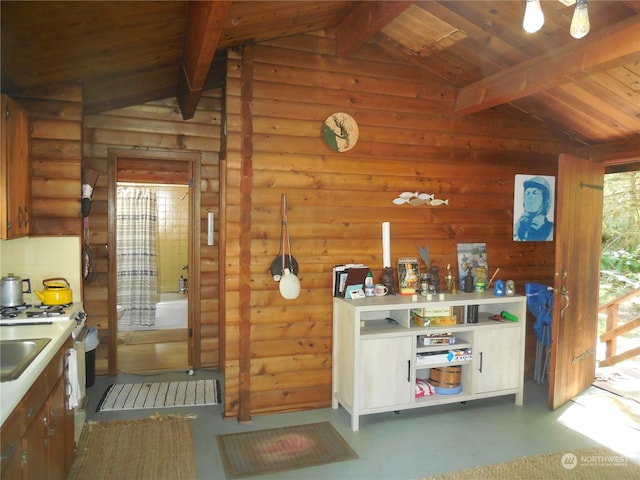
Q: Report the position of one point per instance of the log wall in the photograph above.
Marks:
(154, 126)
(278, 352)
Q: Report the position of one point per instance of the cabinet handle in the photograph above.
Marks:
(480, 369)
(564, 293)
(20, 217)
(54, 420)
(409, 371)
(11, 449)
(47, 431)
(27, 217)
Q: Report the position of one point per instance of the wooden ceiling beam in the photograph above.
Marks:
(618, 152)
(364, 21)
(205, 22)
(601, 50)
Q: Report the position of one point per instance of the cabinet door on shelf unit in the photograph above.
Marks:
(385, 378)
(496, 359)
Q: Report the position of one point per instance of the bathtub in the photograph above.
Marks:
(171, 312)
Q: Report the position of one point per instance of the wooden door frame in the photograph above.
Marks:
(194, 159)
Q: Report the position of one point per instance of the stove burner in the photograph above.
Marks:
(24, 306)
(8, 312)
(12, 312)
(46, 311)
(53, 307)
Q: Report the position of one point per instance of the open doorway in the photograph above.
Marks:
(147, 298)
(618, 350)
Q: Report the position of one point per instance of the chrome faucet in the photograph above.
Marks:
(182, 285)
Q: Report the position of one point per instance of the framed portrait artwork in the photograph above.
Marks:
(533, 208)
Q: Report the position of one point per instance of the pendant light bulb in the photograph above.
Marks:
(580, 21)
(533, 16)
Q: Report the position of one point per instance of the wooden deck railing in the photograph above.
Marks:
(610, 337)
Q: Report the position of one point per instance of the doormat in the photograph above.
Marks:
(583, 464)
(133, 396)
(159, 447)
(280, 449)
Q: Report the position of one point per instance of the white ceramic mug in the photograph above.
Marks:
(381, 290)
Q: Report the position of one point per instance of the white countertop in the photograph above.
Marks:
(11, 392)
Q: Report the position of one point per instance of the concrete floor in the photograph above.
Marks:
(409, 445)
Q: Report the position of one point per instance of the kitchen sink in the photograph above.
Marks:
(17, 355)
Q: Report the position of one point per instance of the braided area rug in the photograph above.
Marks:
(158, 447)
(587, 464)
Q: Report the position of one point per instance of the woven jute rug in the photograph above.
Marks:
(588, 464)
(278, 449)
(159, 447)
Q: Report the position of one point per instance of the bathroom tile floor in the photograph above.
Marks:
(409, 445)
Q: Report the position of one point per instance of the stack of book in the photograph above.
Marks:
(348, 275)
(444, 356)
(437, 339)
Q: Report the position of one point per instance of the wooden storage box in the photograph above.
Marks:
(445, 377)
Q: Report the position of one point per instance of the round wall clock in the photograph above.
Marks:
(340, 132)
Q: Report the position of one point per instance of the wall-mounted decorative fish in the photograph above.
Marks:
(418, 199)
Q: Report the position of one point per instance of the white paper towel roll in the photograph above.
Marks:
(386, 244)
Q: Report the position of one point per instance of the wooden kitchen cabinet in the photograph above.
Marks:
(15, 178)
(36, 436)
(11, 446)
(379, 352)
(35, 456)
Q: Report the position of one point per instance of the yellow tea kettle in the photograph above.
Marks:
(56, 292)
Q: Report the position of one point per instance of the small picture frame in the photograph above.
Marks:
(408, 275)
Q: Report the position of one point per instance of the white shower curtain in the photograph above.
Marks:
(137, 274)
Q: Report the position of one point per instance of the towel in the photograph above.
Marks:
(75, 395)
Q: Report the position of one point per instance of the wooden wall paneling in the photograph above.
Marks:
(56, 158)
(155, 125)
(410, 140)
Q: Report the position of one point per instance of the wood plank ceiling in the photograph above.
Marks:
(129, 53)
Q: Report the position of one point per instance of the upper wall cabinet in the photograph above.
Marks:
(15, 183)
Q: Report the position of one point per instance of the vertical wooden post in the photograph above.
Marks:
(246, 180)
(612, 322)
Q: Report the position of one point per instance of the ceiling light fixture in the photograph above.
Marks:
(580, 21)
(533, 17)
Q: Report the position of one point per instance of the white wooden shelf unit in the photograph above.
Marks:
(375, 361)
